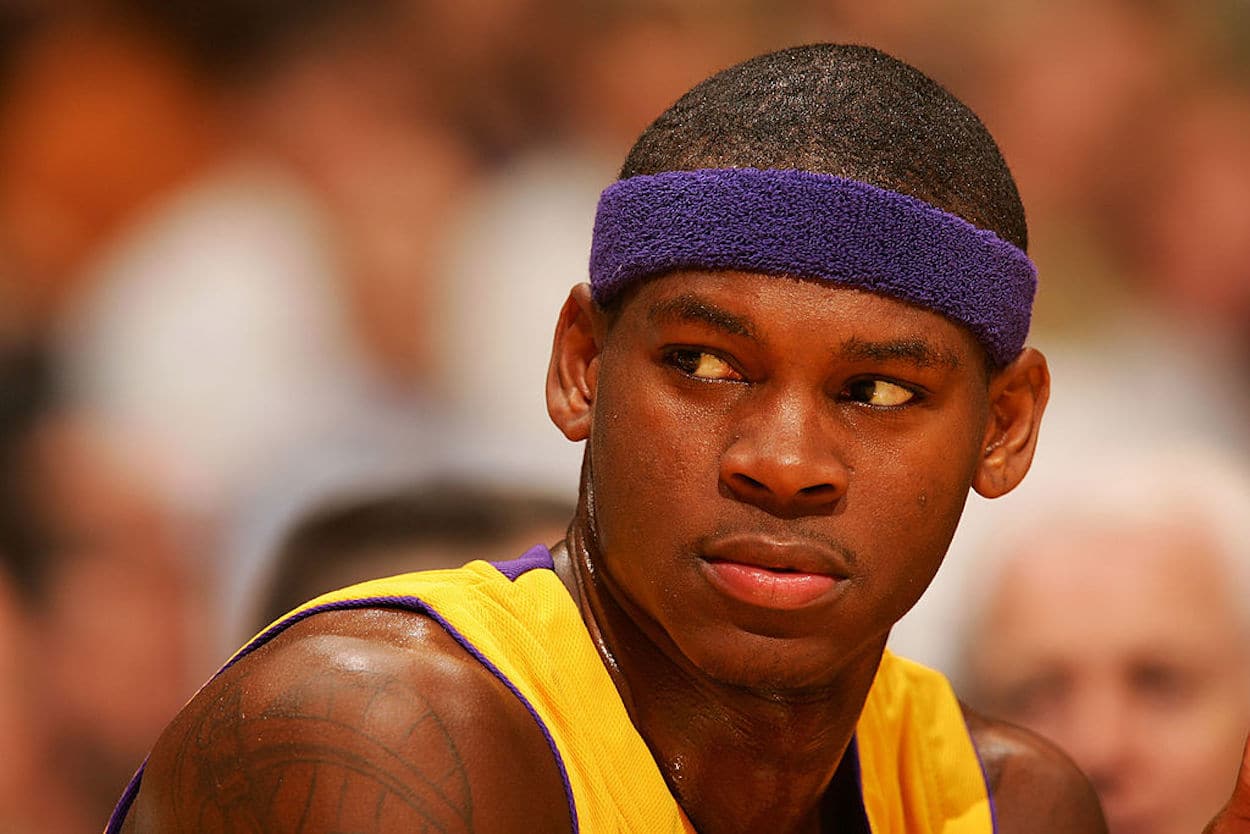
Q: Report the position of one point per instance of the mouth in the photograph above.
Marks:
(770, 573)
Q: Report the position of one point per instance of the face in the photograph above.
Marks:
(777, 468)
(1144, 678)
(116, 634)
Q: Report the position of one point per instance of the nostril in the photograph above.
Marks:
(749, 482)
(826, 492)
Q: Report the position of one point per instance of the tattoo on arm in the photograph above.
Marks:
(364, 753)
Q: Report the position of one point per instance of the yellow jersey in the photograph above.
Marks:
(914, 762)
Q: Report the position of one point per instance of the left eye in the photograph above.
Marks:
(703, 365)
(879, 392)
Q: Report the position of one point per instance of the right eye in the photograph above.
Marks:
(879, 392)
(702, 365)
(1036, 698)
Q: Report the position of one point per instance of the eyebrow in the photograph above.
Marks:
(691, 307)
(918, 351)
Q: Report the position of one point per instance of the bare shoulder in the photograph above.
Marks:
(1034, 785)
(371, 721)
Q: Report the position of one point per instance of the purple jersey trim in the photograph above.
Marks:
(985, 776)
(536, 557)
(855, 774)
(123, 805)
(404, 602)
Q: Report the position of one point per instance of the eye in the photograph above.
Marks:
(1036, 698)
(702, 365)
(878, 392)
(1161, 683)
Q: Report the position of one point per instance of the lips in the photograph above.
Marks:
(783, 575)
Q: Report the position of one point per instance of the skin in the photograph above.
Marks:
(844, 423)
(1152, 708)
(785, 445)
(1234, 817)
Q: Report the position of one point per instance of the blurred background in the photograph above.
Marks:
(257, 256)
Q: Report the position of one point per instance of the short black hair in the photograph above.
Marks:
(849, 111)
(442, 511)
(449, 514)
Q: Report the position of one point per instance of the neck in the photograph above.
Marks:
(736, 758)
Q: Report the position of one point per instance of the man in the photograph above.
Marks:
(1153, 707)
(83, 691)
(437, 523)
(774, 468)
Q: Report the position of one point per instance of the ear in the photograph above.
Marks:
(1018, 395)
(573, 373)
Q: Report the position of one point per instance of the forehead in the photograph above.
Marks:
(1125, 586)
(766, 308)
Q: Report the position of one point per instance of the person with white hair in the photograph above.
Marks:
(1111, 614)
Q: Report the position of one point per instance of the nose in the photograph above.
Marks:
(1100, 739)
(783, 459)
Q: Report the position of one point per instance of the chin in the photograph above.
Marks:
(778, 666)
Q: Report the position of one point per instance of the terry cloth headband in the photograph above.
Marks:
(811, 225)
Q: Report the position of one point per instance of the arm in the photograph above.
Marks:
(364, 721)
(1235, 816)
(1036, 789)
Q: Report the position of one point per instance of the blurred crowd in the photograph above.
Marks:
(260, 257)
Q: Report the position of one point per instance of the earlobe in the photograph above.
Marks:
(572, 374)
(1018, 395)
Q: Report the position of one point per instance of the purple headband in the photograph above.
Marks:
(815, 226)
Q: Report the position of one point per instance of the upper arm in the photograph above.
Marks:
(1034, 786)
(340, 725)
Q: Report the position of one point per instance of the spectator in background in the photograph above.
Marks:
(1112, 615)
(217, 217)
(234, 201)
(1192, 252)
(115, 614)
(221, 213)
(104, 624)
(523, 235)
(16, 780)
(440, 524)
(1141, 445)
(28, 804)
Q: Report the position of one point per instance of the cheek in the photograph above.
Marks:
(653, 457)
(915, 499)
(1207, 732)
(1194, 755)
(915, 485)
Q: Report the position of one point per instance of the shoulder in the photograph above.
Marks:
(366, 721)
(1035, 787)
